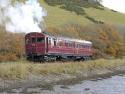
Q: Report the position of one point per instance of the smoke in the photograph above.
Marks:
(21, 17)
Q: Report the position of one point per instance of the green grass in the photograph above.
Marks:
(57, 17)
(121, 29)
(20, 70)
(106, 15)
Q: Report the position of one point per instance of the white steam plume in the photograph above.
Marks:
(21, 17)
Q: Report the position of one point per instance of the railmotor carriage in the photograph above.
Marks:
(43, 47)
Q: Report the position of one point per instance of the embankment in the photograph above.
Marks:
(27, 74)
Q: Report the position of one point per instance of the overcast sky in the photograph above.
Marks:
(118, 5)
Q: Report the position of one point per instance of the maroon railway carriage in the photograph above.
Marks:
(40, 46)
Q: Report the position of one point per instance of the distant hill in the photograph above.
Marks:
(58, 16)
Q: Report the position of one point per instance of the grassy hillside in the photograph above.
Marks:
(57, 16)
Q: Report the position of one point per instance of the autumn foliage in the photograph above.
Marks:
(107, 41)
(11, 45)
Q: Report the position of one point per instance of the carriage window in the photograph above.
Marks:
(79, 46)
(41, 40)
(84, 46)
(69, 44)
(49, 41)
(33, 40)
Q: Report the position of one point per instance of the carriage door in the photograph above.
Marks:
(47, 44)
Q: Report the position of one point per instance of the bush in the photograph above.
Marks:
(11, 46)
(8, 57)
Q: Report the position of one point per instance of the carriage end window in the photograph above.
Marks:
(49, 41)
(33, 40)
(37, 40)
(41, 40)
